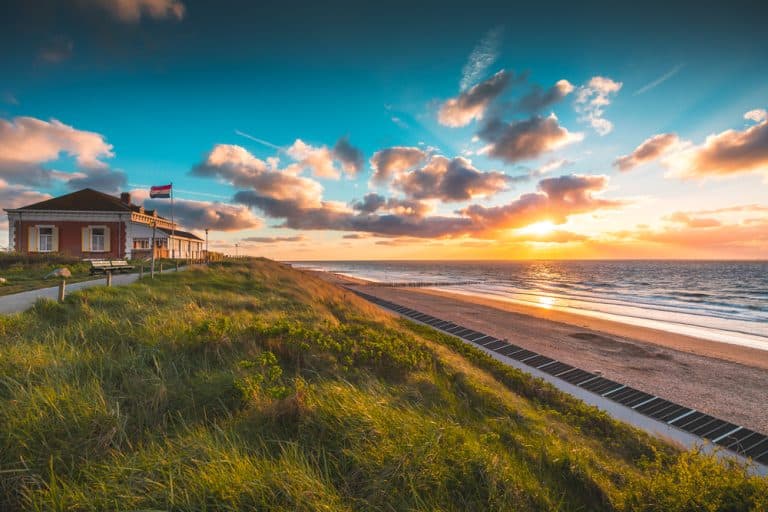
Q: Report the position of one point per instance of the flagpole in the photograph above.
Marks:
(173, 227)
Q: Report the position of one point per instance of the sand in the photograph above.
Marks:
(726, 381)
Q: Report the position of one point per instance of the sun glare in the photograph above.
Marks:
(539, 228)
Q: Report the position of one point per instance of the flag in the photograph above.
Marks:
(162, 191)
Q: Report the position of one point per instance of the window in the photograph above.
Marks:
(97, 239)
(45, 239)
(141, 243)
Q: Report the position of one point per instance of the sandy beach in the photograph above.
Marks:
(727, 381)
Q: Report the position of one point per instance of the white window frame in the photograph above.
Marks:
(40, 238)
(103, 238)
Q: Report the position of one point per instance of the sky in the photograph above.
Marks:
(392, 131)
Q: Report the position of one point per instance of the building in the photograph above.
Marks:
(90, 224)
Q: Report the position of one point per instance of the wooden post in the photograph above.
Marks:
(161, 267)
(62, 290)
(109, 278)
(177, 265)
(141, 271)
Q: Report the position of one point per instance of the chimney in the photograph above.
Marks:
(125, 197)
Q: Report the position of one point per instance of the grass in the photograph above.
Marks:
(25, 272)
(250, 385)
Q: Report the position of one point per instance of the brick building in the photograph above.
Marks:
(91, 224)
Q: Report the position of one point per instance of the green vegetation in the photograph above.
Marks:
(249, 385)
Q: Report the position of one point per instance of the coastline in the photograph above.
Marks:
(721, 379)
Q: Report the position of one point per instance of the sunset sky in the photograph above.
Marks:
(333, 131)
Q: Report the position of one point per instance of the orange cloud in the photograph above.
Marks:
(131, 11)
(390, 161)
(471, 104)
(649, 150)
(724, 154)
(27, 142)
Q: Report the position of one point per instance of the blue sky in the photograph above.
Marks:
(168, 82)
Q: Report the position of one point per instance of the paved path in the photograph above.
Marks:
(24, 300)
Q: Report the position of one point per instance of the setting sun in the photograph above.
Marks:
(538, 228)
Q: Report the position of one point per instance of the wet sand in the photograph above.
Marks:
(727, 381)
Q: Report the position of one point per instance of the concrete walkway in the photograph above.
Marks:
(22, 301)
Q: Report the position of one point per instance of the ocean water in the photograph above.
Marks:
(722, 301)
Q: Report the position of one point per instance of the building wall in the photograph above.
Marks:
(70, 237)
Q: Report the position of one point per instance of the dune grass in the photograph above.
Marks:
(250, 385)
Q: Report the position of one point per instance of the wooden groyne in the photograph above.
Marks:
(421, 284)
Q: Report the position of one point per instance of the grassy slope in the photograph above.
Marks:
(253, 385)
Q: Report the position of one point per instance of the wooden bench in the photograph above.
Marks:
(104, 266)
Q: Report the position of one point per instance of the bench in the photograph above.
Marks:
(104, 266)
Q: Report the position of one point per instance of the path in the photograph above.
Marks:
(21, 301)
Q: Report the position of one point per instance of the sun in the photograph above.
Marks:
(539, 228)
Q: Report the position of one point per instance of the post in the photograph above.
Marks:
(62, 289)
(152, 266)
(177, 265)
(109, 278)
(161, 267)
(206, 245)
(141, 271)
(173, 226)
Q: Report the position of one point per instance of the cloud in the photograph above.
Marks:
(663, 78)
(274, 239)
(106, 180)
(26, 143)
(132, 11)
(757, 115)
(355, 236)
(482, 57)
(693, 222)
(371, 203)
(397, 159)
(723, 154)
(298, 201)
(750, 234)
(57, 49)
(520, 140)
(318, 159)
(351, 158)
(649, 150)
(539, 99)
(591, 100)
(200, 215)
(15, 196)
(549, 166)
(472, 103)
(450, 180)
(556, 199)
(236, 165)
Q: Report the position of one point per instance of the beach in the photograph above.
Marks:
(724, 380)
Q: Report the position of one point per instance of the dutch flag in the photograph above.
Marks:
(162, 191)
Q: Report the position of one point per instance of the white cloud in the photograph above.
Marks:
(591, 100)
(757, 115)
(482, 57)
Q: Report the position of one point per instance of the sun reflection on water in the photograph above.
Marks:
(546, 302)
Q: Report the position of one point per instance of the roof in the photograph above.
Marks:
(86, 199)
(181, 234)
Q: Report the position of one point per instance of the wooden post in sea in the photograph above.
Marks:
(62, 289)
(109, 278)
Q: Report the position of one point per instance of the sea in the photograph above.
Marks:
(723, 301)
